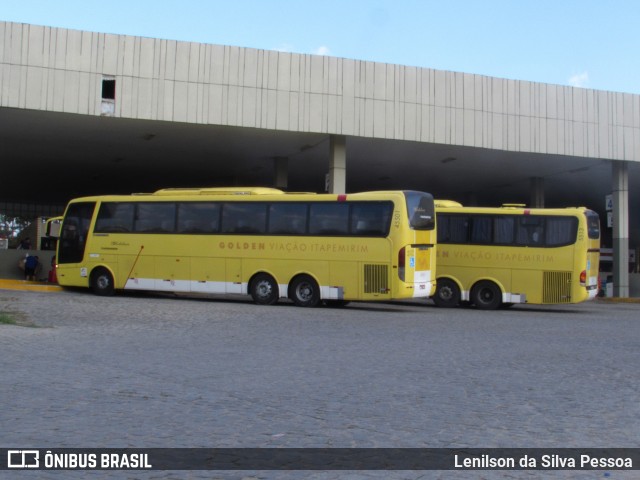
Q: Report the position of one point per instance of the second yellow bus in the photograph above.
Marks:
(492, 257)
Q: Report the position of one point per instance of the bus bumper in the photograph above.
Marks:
(423, 289)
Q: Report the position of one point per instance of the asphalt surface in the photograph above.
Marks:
(151, 370)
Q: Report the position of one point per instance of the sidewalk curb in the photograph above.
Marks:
(26, 286)
(618, 300)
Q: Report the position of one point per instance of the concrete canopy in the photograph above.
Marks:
(76, 155)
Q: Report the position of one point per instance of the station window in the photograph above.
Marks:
(108, 104)
(108, 89)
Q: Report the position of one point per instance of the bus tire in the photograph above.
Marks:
(486, 295)
(101, 282)
(264, 289)
(304, 291)
(447, 293)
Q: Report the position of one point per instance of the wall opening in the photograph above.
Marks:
(109, 89)
(108, 106)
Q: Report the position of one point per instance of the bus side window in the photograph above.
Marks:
(155, 217)
(443, 228)
(288, 218)
(459, 229)
(481, 230)
(503, 230)
(370, 219)
(247, 217)
(536, 236)
(114, 217)
(453, 228)
(530, 231)
(195, 217)
(329, 219)
(561, 231)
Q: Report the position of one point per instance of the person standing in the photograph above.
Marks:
(30, 267)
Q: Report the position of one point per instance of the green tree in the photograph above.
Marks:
(10, 227)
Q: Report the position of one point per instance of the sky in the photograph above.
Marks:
(582, 43)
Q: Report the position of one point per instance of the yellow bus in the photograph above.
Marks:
(311, 248)
(492, 257)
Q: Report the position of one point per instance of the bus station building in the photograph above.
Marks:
(88, 113)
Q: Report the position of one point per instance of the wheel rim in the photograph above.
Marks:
(102, 282)
(304, 292)
(446, 293)
(264, 289)
(486, 295)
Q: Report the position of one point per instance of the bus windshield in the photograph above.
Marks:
(421, 210)
(75, 228)
(593, 224)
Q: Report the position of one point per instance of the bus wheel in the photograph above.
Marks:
(486, 295)
(101, 282)
(264, 289)
(447, 293)
(304, 291)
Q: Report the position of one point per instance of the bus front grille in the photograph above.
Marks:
(376, 279)
(556, 287)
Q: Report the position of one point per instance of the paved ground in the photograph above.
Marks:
(160, 371)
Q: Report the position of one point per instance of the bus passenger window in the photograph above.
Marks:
(288, 218)
(503, 230)
(530, 231)
(329, 219)
(458, 229)
(155, 218)
(195, 217)
(481, 230)
(561, 231)
(115, 217)
(247, 217)
(443, 228)
(370, 219)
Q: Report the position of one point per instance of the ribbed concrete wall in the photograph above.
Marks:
(61, 70)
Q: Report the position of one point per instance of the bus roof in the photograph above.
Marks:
(453, 206)
(446, 203)
(255, 193)
(219, 191)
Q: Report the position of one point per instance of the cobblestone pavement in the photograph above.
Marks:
(164, 371)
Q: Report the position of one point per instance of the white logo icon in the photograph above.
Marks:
(23, 458)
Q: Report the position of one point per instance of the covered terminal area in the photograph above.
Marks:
(86, 113)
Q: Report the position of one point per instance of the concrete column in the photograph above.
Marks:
(620, 190)
(281, 165)
(537, 192)
(337, 164)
